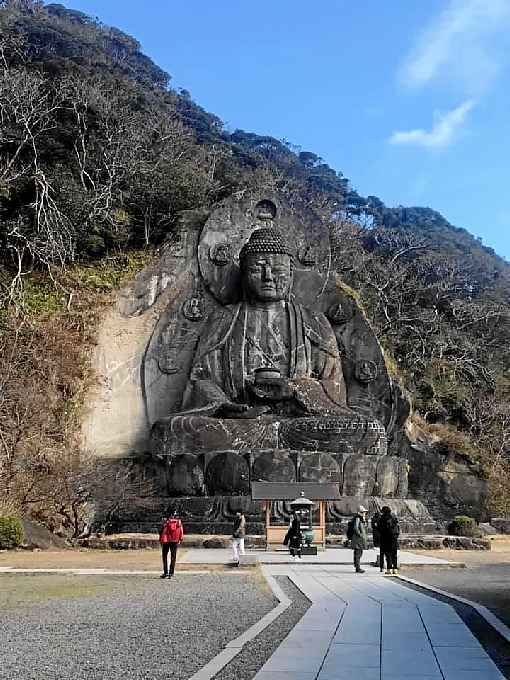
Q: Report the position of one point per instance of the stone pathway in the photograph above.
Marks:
(371, 627)
(340, 556)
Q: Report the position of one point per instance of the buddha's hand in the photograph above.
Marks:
(232, 410)
(279, 389)
(232, 407)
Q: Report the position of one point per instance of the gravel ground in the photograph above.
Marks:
(246, 664)
(142, 628)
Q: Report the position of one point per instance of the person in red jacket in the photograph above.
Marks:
(170, 535)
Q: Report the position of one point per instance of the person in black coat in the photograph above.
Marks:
(294, 537)
(389, 531)
(374, 522)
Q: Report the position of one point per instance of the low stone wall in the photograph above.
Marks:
(406, 542)
(502, 524)
(424, 542)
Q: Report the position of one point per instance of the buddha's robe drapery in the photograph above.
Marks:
(287, 336)
(298, 342)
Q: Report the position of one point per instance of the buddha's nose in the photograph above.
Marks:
(267, 273)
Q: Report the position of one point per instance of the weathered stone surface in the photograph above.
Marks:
(217, 542)
(319, 467)
(466, 543)
(421, 543)
(387, 475)
(120, 407)
(391, 477)
(448, 482)
(186, 476)
(38, 537)
(359, 475)
(413, 515)
(273, 466)
(227, 472)
(502, 524)
(197, 434)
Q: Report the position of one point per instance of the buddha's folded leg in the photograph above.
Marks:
(201, 434)
(354, 433)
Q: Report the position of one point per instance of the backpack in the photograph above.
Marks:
(395, 528)
(172, 531)
(350, 528)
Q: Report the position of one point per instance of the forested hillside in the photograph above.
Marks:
(99, 155)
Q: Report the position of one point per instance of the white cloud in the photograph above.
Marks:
(467, 43)
(442, 133)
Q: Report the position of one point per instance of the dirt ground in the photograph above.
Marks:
(86, 559)
(486, 578)
(499, 554)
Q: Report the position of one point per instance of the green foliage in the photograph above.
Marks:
(109, 274)
(461, 525)
(41, 297)
(11, 532)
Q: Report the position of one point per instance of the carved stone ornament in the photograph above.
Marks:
(220, 254)
(366, 371)
(337, 314)
(172, 345)
(308, 255)
(265, 210)
(193, 309)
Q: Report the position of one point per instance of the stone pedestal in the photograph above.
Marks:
(215, 514)
(231, 472)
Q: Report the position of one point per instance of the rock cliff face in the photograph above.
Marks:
(146, 362)
(448, 483)
(117, 423)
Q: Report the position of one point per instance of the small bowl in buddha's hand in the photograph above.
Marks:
(267, 374)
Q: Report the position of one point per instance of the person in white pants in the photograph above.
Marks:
(238, 534)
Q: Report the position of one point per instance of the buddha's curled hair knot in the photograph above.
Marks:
(266, 240)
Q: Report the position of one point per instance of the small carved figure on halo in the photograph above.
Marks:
(192, 309)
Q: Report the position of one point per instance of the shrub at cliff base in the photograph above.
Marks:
(464, 526)
(11, 532)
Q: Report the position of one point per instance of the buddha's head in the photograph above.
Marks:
(266, 266)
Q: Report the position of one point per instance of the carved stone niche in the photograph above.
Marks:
(319, 466)
(185, 476)
(227, 473)
(272, 465)
(360, 475)
(392, 477)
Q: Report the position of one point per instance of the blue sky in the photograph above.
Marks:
(410, 100)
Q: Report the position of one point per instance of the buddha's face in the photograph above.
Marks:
(267, 277)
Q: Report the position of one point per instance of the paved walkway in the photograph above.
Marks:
(370, 627)
(330, 556)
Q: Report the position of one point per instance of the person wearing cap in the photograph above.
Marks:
(359, 539)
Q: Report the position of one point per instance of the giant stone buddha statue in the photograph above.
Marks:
(267, 374)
